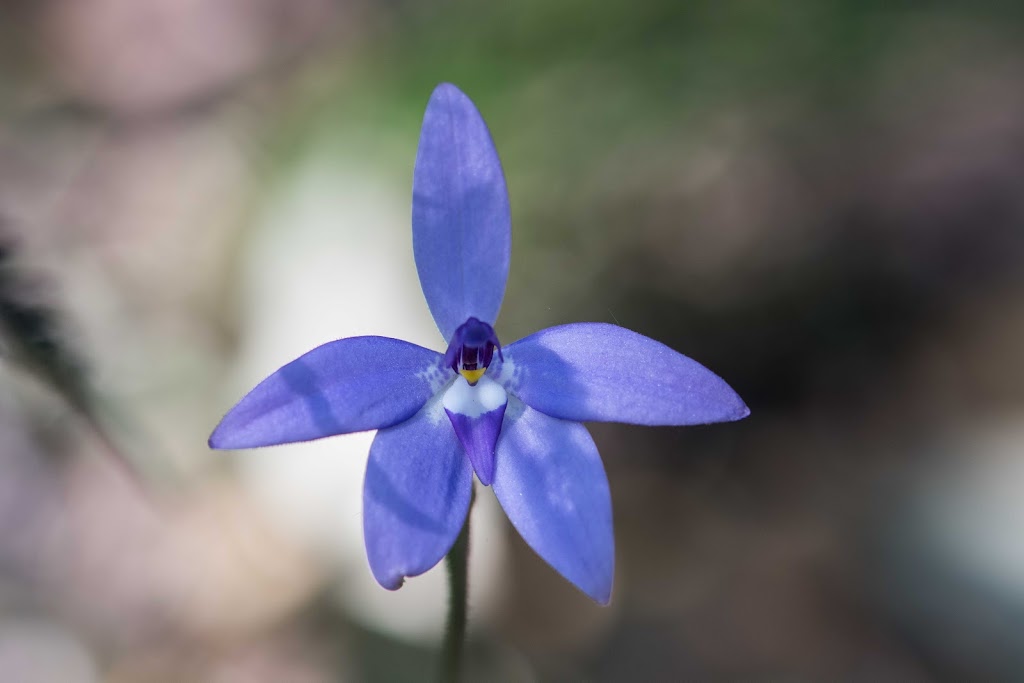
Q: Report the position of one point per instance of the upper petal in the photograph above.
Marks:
(415, 497)
(461, 225)
(549, 479)
(348, 385)
(605, 373)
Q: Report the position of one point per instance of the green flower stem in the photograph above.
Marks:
(455, 629)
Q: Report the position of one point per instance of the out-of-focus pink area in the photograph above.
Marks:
(822, 203)
(138, 58)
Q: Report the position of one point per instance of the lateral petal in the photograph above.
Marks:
(348, 385)
(605, 373)
(549, 479)
(415, 496)
(461, 224)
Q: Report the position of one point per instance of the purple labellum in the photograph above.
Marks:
(476, 412)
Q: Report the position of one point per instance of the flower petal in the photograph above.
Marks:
(549, 479)
(348, 385)
(605, 373)
(415, 497)
(461, 225)
(476, 413)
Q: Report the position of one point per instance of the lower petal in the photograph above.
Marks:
(415, 496)
(549, 479)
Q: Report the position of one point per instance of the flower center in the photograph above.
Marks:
(471, 349)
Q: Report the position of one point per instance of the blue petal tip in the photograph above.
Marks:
(216, 440)
(446, 87)
(391, 583)
(739, 412)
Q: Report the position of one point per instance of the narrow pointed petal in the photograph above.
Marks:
(549, 479)
(476, 413)
(348, 385)
(461, 225)
(605, 373)
(415, 497)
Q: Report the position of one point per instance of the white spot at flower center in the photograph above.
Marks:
(474, 401)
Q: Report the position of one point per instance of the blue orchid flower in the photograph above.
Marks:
(510, 414)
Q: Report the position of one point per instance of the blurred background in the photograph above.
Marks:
(820, 200)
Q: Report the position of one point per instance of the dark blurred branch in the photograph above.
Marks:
(33, 339)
